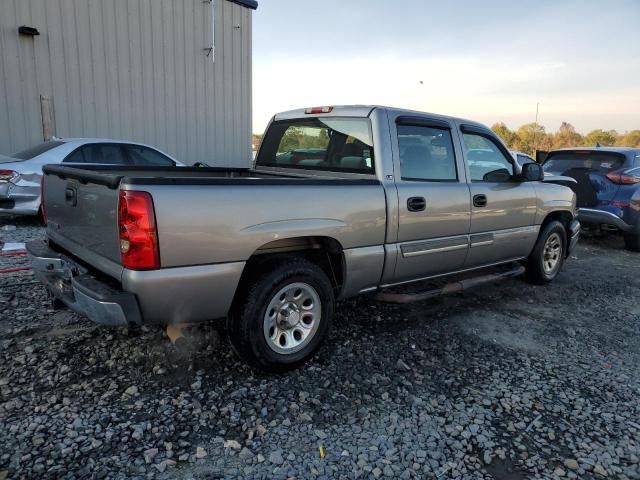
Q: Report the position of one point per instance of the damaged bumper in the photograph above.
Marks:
(80, 291)
(19, 199)
(590, 216)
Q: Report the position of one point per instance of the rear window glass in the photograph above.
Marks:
(324, 144)
(563, 162)
(39, 149)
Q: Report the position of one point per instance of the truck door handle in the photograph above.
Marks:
(70, 196)
(416, 204)
(480, 200)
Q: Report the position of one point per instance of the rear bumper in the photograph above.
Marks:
(80, 291)
(590, 216)
(167, 296)
(575, 236)
(19, 206)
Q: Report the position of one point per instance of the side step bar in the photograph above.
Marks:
(453, 287)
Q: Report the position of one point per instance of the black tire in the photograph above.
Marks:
(536, 272)
(632, 242)
(247, 320)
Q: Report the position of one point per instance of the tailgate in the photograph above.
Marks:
(82, 215)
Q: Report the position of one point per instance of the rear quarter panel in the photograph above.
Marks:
(203, 224)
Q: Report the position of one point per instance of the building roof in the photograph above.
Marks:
(252, 4)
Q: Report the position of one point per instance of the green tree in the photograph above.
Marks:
(509, 137)
(291, 140)
(601, 137)
(629, 139)
(297, 137)
(566, 136)
(531, 137)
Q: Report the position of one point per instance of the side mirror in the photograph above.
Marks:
(532, 172)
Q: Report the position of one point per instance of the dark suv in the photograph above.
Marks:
(608, 187)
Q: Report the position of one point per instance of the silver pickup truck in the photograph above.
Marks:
(341, 201)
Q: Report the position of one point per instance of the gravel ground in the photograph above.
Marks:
(506, 382)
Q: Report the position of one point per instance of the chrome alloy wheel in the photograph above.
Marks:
(292, 318)
(552, 255)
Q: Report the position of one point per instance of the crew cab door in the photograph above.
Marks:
(503, 208)
(434, 202)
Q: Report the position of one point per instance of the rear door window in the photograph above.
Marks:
(77, 156)
(426, 153)
(144, 156)
(98, 153)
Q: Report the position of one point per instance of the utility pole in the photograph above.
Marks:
(535, 132)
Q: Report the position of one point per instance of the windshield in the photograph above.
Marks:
(335, 144)
(33, 152)
(563, 162)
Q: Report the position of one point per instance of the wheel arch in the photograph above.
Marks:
(324, 251)
(565, 218)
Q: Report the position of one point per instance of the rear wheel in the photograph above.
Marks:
(281, 320)
(632, 242)
(547, 257)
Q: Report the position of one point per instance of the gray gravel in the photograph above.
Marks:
(506, 382)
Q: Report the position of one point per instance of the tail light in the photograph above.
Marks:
(623, 178)
(42, 208)
(7, 175)
(138, 234)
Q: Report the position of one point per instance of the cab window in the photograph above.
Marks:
(486, 161)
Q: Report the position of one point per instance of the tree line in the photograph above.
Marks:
(532, 136)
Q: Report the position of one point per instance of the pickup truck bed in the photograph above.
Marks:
(209, 228)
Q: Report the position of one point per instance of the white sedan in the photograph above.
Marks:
(20, 173)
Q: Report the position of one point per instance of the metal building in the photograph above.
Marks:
(172, 73)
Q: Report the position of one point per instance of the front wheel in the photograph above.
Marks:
(281, 320)
(632, 242)
(547, 257)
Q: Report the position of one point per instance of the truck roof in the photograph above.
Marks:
(365, 111)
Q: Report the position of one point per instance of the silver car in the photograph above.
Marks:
(21, 173)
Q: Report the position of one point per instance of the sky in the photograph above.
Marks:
(490, 60)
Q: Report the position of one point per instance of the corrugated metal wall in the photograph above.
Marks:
(129, 69)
